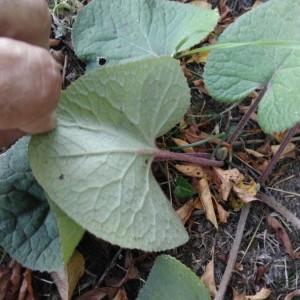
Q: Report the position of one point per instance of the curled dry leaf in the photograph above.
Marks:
(207, 202)
(282, 236)
(293, 294)
(208, 278)
(246, 191)
(264, 293)
(185, 211)
(289, 148)
(191, 170)
(111, 293)
(222, 213)
(180, 142)
(225, 180)
(66, 281)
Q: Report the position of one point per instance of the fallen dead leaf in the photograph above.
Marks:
(289, 147)
(101, 293)
(222, 213)
(208, 278)
(206, 199)
(245, 108)
(185, 211)
(264, 293)
(201, 3)
(198, 204)
(26, 290)
(131, 273)
(180, 142)
(225, 180)
(66, 281)
(281, 235)
(254, 153)
(291, 295)
(246, 191)
(10, 280)
(191, 170)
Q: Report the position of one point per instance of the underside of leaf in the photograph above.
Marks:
(98, 160)
(231, 74)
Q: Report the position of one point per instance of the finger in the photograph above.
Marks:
(26, 20)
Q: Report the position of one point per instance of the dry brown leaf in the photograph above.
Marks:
(100, 293)
(180, 142)
(291, 295)
(121, 295)
(198, 204)
(225, 180)
(289, 147)
(10, 280)
(185, 211)
(201, 3)
(206, 199)
(245, 108)
(66, 281)
(281, 235)
(237, 296)
(254, 153)
(222, 213)
(246, 191)
(131, 273)
(191, 170)
(26, 290)
(208, 278)
(264, 293)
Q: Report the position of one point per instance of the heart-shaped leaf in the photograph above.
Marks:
(170, 279)
(96, 165)
(122, 31)
(231, 74)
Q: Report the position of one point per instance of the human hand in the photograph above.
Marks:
(30, 80)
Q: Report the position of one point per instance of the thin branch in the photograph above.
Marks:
(246, 116)
(233, 253)
(287, 138)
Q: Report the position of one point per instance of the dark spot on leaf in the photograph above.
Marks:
(146, 161)
(101, 60)
(61, 177)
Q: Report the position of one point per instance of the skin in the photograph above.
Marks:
(30, 80)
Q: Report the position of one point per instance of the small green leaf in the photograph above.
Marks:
(126, 30)
(70, 233)
(170, 279)
(231, 74)
(96, 165)
(183, 189)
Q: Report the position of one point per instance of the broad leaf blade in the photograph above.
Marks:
(170, 279)
(125, 30)
(98, 160)
(231, 74)
(30, 232)
(28, 228)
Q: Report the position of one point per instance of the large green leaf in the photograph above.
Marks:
(170, 279)
(231, 74)
(96, 165)
(124, 30)
(29, 230)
